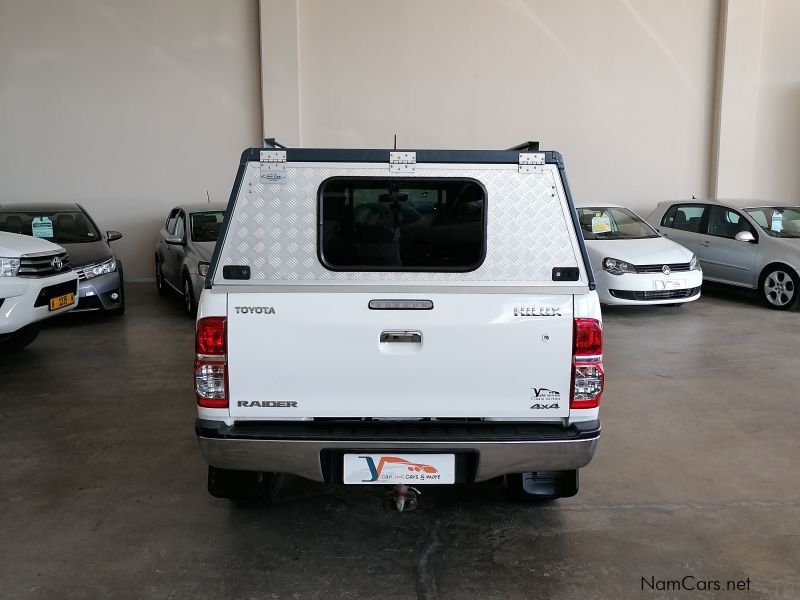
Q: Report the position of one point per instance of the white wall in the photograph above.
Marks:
(132, 107)
(777, 139)
(623, 88)
(126, 107)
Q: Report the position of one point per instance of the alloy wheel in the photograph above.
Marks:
(779, 288)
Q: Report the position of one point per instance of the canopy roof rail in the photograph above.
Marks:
(526, 147)
(273, 143)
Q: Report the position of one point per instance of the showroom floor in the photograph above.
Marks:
(102, 491)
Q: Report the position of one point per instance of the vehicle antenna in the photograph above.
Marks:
(395, 141)
(208, 196)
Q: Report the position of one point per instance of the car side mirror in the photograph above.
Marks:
(174, 240)
(745, 236)
(113, 236)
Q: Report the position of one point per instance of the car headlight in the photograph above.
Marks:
(202, 268)
(103, 268)
(9, 267)
(617, 267)
(694, 265)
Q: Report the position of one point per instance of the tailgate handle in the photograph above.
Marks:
(412, 337)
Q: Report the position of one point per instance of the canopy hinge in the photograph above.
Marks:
(402, 162)
(531, 162)
(273, 166)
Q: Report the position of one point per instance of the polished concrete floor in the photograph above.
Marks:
(102, 488)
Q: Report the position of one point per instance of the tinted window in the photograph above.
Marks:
(205, 225)
(685, 217)
(725, 222)
(398, 224)
(180, 225)
(669, 216)
(170, 225)
(60, 227)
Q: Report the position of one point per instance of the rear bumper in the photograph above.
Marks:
(313, 449)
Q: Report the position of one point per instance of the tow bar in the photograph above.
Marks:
(402, 498)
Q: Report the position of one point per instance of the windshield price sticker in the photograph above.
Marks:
(777, 221)
(42, 227)
(601, 224)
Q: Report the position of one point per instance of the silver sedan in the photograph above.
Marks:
(184, 248)
(745, 243)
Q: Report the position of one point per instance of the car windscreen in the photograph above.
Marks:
(611, 223)
(60, 227)
(402, 224)
(205, 225)
(777, 221)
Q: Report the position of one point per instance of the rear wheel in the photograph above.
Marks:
(19, 339)
(780, 287)
(160, 278)
(189, 304)
(542, 486)
(244, 488)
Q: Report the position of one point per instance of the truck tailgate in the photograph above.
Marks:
(300, 355)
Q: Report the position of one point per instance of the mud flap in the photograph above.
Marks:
(544, 485)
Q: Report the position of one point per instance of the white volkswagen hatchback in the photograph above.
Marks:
(632, 263)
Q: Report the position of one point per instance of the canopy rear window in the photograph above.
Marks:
(402, 224)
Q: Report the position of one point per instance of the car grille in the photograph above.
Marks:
(655, 295)
(41, 265)
(658, 268)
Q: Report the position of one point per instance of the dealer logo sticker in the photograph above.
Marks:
(545, 399)
(398, 468)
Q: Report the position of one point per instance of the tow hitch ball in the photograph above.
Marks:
(403, 498)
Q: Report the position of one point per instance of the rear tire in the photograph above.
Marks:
(19, 339)
(543, 486)
(780, 287)
(189, 304)
(160, 278)
(244, 488)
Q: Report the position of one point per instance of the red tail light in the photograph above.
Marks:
(210, 338)
(587, 364)
(588, 339)
(211, 365)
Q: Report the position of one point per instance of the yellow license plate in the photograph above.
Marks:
(61, 301)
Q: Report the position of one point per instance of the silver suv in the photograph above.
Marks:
(184, 249)
(746, 243)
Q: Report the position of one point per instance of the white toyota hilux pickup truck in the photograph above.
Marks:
(36, 282)
(399, 318)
